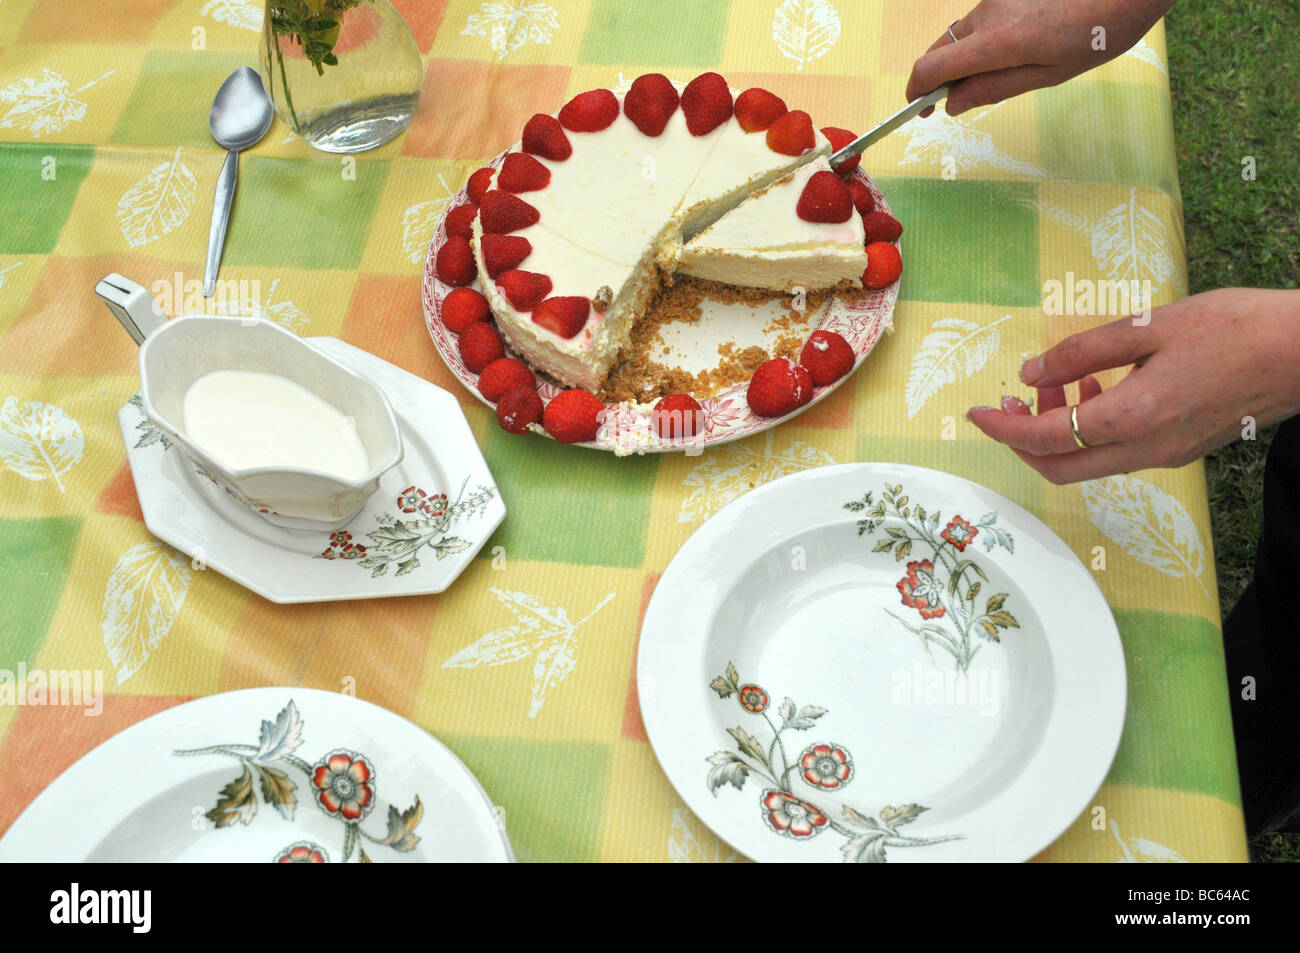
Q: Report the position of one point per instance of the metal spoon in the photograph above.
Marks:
(241, 114)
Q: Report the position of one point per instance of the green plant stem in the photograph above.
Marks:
(284, 82)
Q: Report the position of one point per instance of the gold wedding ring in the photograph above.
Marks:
(1074, 426)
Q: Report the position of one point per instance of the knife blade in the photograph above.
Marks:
(861, 143)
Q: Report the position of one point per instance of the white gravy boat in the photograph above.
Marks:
(176, 353)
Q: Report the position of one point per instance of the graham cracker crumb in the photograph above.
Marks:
(638, 377)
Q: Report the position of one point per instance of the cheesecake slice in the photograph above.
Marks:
(764, 243)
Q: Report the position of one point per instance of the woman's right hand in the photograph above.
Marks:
(1008, 47)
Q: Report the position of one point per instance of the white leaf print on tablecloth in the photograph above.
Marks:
(1140, 851)
(942, 138)
(1143, 51)
(1149, 524)
(245, 14)
(4, 271)
(145, 592)
(544, 633)
(690, 842)
(952, 347)
(158, 203)
(284, 313)
(421, 221)
(39, 441)
(508, 27)
(805, 30)
(1128, 243)
(44, 105)
(728, 472)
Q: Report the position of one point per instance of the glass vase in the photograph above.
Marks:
(343, 74)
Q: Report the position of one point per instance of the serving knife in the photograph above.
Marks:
(909, 111)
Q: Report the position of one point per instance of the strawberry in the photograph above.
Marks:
(573, 416)
(501, 212)
(756, 109)
(778, 387)
(455, 262)
(827, 357)
(504, 374)
(517, 408)
(881, 227)
(863, 200)
(884, 265)
(678, 416)
(503, 252)
(520, 172)
(650, 103)
(792, 134)
(544, 136)
(825, 198)
(590, 112)
(463, 307)
(524, 289)
(563, 316)
(706, 101)
(839, 139)
(480, 345)
(479, 183)
(460, 219)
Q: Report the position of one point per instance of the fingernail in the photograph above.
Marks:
(978, 407)
(1032, 370)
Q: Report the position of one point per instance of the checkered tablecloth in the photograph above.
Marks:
(106, 165)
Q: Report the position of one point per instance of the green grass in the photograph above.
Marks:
(1234, 75)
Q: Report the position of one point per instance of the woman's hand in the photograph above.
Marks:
(1202, 364)
(1008, 47)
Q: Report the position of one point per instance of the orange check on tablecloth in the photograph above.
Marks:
(106, 164)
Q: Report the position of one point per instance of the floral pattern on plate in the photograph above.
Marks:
(303, 852)
(342, 784)
(943, 588)
(149, 431)
(396, 541)
(824, 766)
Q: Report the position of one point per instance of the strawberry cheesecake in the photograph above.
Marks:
(575, 231)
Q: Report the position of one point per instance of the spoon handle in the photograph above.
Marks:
(220, 216)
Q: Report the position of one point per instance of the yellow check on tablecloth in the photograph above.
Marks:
(106, 165)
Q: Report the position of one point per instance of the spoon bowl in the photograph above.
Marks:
(241, 111)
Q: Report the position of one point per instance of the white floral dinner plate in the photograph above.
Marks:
(878, 662)
(628, 428)
(422, 528)
(283, 775)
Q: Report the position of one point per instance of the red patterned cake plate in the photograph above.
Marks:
(628, 428)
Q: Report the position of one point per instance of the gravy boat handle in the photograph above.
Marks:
(132, 305)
